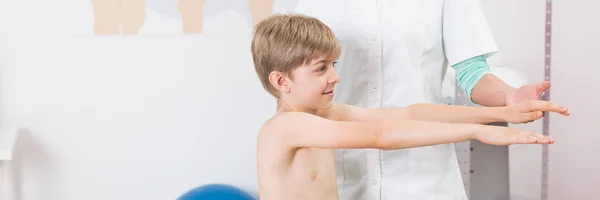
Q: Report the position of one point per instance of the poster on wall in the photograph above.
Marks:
(165, 17)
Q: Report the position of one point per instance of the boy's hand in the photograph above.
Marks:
(503, 136)
(532, 110)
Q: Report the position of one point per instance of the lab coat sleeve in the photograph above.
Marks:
(466, 33)
(469, 72)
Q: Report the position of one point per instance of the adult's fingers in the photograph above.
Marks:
(542, 86)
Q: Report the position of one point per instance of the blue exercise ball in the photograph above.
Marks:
(216, 192)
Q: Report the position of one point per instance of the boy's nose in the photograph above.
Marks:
(334, 78)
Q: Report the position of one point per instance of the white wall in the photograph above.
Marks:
(575, 159)
(146, 117)
(519, 30)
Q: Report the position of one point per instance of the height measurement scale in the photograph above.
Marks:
(546, 96)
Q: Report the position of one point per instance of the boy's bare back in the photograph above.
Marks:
(293, 173)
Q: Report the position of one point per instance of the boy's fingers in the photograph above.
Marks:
(540, 139)
(524, 139)
(529, 137)
(532, 116)
(547, 106)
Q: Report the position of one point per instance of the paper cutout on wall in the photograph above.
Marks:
(127, 17)
(118, 16)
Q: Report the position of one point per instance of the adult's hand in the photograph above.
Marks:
(527, 92)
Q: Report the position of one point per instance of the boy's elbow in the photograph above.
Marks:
(381, 144)
(385, 144)
(381, 138)
(411, 110)
(389, 137)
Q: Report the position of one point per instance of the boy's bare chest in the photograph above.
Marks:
(314, 165)
(310, 175)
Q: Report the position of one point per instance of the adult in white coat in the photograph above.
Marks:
(395, 53)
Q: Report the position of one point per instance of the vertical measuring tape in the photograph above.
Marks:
(463, 149)
(546, 96)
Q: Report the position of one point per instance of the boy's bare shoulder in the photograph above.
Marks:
(276, 131)
(285, 122)
(336, 112)
(290, 121)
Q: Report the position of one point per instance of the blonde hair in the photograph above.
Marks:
(283, 42)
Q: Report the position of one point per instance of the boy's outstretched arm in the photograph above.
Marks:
(304, 130)
(519, 113)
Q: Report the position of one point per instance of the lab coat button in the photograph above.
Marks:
(375, 87)
(374, 183)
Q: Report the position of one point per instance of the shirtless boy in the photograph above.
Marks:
(294, 57)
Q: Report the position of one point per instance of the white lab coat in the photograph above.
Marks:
(395, 53)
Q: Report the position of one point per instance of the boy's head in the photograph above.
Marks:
(294, 57)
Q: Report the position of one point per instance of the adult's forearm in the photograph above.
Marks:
(491, 91)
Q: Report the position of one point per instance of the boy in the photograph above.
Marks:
(294, 57)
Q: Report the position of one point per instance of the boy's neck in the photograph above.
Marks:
(283, 106)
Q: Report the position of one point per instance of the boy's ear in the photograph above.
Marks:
(279, 81)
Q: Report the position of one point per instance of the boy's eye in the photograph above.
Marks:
(323, 68)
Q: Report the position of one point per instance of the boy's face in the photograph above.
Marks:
(312, 85)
